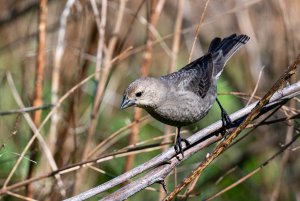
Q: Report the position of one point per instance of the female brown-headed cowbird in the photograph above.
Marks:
(184, 97)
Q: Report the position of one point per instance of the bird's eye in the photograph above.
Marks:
(138, 94)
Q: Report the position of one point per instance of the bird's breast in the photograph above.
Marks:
(183, 109)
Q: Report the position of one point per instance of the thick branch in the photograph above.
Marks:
(205, 136)
(252, 115)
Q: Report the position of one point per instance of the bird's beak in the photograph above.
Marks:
(126, 102)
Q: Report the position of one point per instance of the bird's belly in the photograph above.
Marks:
(182, 112)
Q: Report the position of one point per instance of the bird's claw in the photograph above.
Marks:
(163, 184)
(226, 122)
(178, 146)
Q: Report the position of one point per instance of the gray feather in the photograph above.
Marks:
(222, 50)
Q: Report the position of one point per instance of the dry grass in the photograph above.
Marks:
(92, 50)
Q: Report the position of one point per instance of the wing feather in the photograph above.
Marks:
(195, 77)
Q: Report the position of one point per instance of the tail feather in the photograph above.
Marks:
(222, 50)
(214, 44)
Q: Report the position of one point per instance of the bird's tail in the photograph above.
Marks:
(222, 50)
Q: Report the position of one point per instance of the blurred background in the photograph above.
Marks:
(49, 48)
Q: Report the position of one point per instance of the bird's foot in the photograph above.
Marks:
(163, 184)
(178, 146)
(226, 123)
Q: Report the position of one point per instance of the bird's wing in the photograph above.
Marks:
(195, 77)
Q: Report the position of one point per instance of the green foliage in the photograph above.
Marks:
(274, 42)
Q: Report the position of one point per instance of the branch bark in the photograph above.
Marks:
(155, 11)
(198, 141)
(55, 106)
(252, 115)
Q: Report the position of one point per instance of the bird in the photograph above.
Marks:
(184, 97)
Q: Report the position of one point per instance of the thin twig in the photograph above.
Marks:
(58, 55)
(56, 105)
(39, 77)
(26, 110)
(256, 86)
(99, 148)
(20, 196)
(284, 160)
(172, 68)
(281, 95)
(249, 175)
(198, 30)
(101, 86)
(100, 49)
(101, 23)
(105, 70)
(163, 170)
(105, 157)
(155, 10)
(37, 135)
(223, 146)
(40, 62)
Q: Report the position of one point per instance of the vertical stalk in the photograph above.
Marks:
(38, 86)
(172, 68)
(155, 10)
(103, 78)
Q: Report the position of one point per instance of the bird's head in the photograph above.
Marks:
(145, 92)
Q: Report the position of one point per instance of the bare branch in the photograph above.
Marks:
(286, 146)
(252, 115)
(205, 136)
(57, 105)
(37, 135)
(198, 30)
(26, 110)
(38, 85)
(59, 52)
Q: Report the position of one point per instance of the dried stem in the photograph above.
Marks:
(37, 135)
(40, 63)
(101, 86)
(74, 167)
(281, 96)
(289, 135)
(39, 77)
(25, 110)
(202, 136)
(57, 105)
(198, 30)
(155, 7)
(20, 196)
(256, 86)
(104, 74)
(99, 148)
(58, 55)
(172, 68)
(223, 146)
(101, 22)
(284, 148)
(245, 23)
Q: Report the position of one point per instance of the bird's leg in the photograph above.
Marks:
(226, 121)
(178, 145)
(163, 184)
